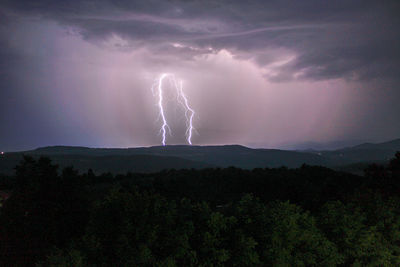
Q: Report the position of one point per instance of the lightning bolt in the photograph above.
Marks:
(181, 98)
(164, 125)
(189, 118)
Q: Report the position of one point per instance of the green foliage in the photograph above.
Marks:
(139, 229)
(361, 240)
(45, 209)
(295, 239)
(310, 216)
(66, 258)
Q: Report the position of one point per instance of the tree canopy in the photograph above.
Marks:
(310, 216)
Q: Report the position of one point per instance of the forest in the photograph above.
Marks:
(308, 216)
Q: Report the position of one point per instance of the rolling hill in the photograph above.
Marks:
(150, 159)
(366, 152)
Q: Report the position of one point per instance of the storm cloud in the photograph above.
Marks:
(260, 73)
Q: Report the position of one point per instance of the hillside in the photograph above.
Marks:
(221, 156)
(116, 164)
(367, 152)
(156, 158)
(390, 145)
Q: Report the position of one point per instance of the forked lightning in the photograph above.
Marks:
(182, 99)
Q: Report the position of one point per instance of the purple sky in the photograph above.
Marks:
(277, 74)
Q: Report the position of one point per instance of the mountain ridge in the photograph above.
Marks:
(156, 158)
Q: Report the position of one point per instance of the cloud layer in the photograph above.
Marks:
(266, 73)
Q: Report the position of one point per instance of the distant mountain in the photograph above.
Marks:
(393, 145)
(150, 159)
(367, 152)
(332, 145)
(221, 156)
(110, 163)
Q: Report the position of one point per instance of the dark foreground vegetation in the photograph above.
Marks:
(310, 216)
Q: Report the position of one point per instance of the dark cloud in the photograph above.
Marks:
(263, 60)
(333, 39)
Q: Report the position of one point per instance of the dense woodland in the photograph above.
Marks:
(310, 216)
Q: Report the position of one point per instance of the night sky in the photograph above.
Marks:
(276, 74)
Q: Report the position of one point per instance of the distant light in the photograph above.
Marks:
(2, 153)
